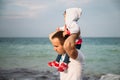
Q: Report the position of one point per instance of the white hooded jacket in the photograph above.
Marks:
(72, 16)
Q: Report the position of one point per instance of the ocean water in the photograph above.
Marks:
(102, 55)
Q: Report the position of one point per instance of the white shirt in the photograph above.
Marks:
(74, 70)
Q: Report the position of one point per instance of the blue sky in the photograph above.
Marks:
(38, 18)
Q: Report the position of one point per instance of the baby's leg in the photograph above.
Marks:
(78, 46)
(64, 65)
(66, 59)
(69, 44)
(58, 58)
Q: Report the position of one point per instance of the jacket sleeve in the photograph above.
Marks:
(73, 28)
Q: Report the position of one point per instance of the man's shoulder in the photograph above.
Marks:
(80, 56)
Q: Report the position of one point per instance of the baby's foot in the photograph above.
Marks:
(53, 64)
(63, 66)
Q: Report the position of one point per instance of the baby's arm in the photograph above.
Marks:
(74, 28)
(70, 29)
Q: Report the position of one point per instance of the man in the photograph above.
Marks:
(74, 70)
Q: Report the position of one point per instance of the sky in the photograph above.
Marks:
(38, 18)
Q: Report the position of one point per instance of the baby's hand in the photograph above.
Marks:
(66, 31)
(58, 29)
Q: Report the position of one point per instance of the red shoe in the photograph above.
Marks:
(54, 64)
(63, 66)
(79, 41)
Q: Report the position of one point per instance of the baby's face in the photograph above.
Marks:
(64, 17)
(57, 46)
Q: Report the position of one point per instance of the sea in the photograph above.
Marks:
(102, 55)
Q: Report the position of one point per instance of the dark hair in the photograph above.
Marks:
(60, 36)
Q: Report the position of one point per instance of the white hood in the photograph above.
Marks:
(72, 14)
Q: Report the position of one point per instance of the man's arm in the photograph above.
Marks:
(72, 52)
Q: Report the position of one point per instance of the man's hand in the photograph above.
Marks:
(64, 33)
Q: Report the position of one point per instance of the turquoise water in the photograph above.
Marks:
(102, 55)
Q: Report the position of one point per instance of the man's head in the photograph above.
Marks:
(57, 41)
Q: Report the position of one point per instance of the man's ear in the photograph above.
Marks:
(51, 34)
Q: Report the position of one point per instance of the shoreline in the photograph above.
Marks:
(27, 74)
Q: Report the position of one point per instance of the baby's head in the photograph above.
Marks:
(72, 14)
